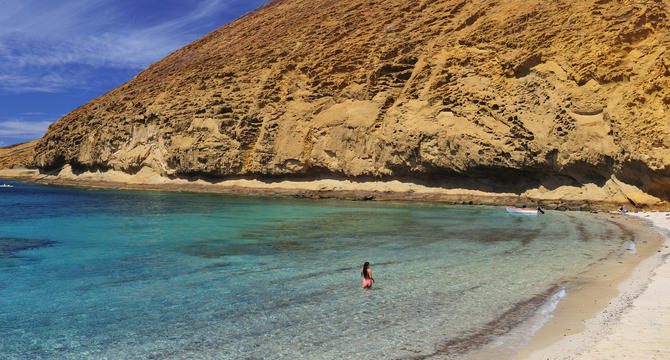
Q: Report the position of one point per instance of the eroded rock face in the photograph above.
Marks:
(551, 91)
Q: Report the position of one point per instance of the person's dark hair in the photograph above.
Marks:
(364, 272)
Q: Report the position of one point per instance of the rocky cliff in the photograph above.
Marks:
(509, 92)
(19, 155)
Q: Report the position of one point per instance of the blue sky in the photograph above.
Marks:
(56, 55)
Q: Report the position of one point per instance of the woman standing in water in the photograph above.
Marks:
(367, 276)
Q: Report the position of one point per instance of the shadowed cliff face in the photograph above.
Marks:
(570, 90)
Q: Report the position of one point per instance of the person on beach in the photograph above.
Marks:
(366, 273)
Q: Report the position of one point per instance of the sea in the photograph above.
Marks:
(112, 274)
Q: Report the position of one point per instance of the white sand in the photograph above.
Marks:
(636, 325)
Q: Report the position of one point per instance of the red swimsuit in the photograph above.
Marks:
(367, 282)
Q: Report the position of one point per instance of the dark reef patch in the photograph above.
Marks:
(10, 247)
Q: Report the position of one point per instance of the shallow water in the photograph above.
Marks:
(128, 274)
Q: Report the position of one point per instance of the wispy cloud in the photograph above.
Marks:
(40, 41)
(23, 129)
(45, 82)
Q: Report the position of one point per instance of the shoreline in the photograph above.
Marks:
(573, 303)
(573, 319)
(597, 299)
(585, 198)
(605, 314)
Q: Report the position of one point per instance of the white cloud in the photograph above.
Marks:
(48, 83)
(23, 129)
(40, 39)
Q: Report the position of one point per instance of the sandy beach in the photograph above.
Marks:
(635, 324)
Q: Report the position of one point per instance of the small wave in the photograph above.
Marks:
(547, 310)
(523, 329)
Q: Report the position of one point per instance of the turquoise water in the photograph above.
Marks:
(149, 275)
